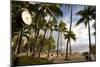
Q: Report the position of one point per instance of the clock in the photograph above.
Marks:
(26, 17)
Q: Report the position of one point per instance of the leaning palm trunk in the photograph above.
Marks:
(89, 40)
(58, 43)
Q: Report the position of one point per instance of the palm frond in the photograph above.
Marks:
(81, 20)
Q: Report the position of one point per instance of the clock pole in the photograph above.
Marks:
(22, 24)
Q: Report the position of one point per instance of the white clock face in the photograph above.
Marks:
(26, 17)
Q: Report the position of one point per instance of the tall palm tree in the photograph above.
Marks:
(61, 28)
(51, 27)
(69, 35)
(70, 6)
(86, 18)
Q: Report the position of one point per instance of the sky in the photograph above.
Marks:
(82, 41)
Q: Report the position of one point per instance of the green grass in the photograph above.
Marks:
(25, 60)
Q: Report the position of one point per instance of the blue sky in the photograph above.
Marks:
(82, 42)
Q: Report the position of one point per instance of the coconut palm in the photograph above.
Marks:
(51, 27)
(61, 28)
(69, 35)
(86, 18)
(70, 6)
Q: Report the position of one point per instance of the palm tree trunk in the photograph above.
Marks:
(69, 31)
(61, 42)
(19, 42)
(34, 46)
(58, 43)
(70, 18)
(70, 48)
(89, 39)
(67, 50)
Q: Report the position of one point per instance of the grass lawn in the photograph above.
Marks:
(25, 60)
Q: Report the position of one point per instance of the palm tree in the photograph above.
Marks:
(61, 28)
(70, 6)
(51, 27)
(69, 35)
(86, 18)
